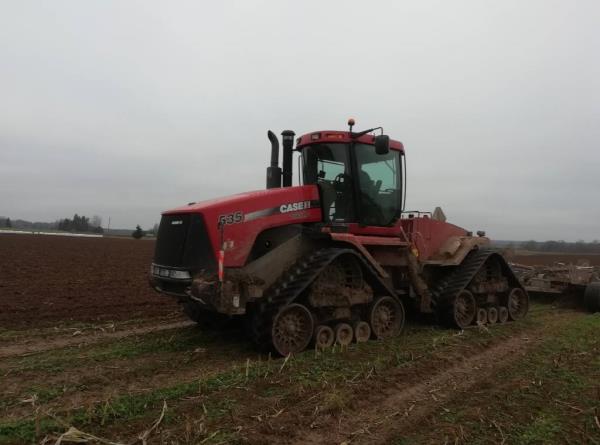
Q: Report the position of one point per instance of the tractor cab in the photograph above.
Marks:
(359, 176)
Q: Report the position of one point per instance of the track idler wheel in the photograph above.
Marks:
(502, 314)
(324, 337)
(492, 315)
(292, 329)
(482, 316)
(463, 310)
(386, 317)
(362, 331)
(344, 334)
(518, 304)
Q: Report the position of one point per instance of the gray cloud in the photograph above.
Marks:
(125, 109)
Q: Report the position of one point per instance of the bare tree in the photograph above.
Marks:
(96, 221)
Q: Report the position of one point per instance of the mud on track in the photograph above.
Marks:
(45, 280)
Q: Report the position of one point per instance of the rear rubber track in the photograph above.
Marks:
(457, 280)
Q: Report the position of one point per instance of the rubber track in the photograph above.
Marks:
(294, 281)
(459, 278)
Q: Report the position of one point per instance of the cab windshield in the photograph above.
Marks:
(368, 193)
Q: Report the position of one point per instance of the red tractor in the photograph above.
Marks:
(336, 259)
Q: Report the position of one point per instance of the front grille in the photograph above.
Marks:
(183, 242)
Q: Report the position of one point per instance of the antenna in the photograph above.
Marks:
(351, 124)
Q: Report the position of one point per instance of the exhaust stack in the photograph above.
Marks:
(287, 137)
(274, 171)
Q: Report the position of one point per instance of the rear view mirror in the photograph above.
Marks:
(382, 144)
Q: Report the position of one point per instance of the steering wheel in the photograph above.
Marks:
(341, 181)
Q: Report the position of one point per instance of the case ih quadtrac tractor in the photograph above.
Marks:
(335, 259)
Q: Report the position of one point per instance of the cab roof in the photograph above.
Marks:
(332, 136)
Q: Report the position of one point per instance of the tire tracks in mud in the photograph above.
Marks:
(89, 383)
(385, 415)
(402, 408)
(48, 344)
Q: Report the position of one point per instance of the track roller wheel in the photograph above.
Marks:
(492, 315)
(386, 317)
(292, 329)
(362, 331)
(518, 304)
(464, 309)
(502, 314)
(481, 316)
(344, 334)
(324, 337)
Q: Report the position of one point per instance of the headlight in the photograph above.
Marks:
(170, 273)
(180, 274)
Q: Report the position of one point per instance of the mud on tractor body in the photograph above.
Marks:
(336, 259)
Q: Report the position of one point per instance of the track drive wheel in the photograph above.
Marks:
(492, 315)
(518, 304)
(324, 337)
(482, 316)
(292, 329)
(502, 314)
(362, 331)
(343, 334)
(591, 297)
(464, 309)
(386, 317)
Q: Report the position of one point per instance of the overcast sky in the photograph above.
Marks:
(127, 108)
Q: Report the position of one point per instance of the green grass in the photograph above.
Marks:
(57, 360)
(329, 375)
(551, 395)
(306, 371)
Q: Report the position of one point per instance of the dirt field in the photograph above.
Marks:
(536, 258)
(46, 280)
(112, 370)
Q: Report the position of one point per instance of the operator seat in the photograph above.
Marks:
(369, 189)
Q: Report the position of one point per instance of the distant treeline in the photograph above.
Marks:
(557, 246)
(80, 224)
(76, 224)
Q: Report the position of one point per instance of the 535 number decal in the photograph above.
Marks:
(231, 218)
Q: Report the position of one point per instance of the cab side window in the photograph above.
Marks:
(379, 184)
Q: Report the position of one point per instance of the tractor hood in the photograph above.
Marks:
(238, 219)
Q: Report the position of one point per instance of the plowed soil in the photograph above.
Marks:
(548, 259)
(45, 280)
